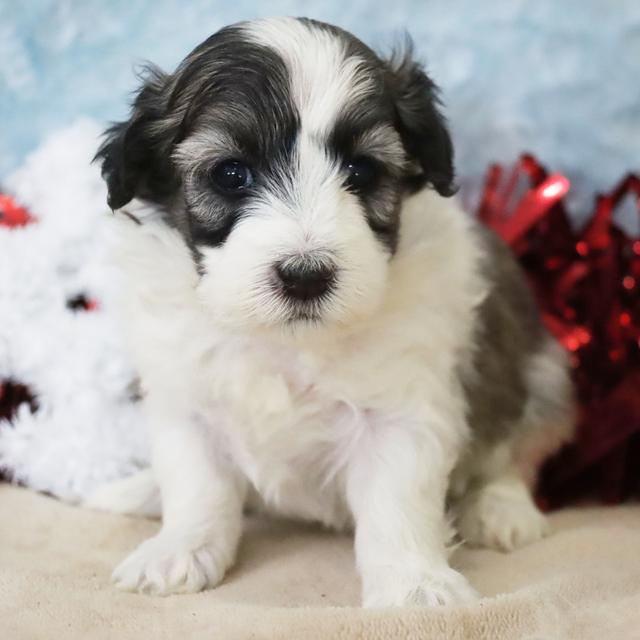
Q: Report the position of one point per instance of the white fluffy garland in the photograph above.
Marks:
(87, 429)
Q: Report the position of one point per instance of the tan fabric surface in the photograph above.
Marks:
(299, 582)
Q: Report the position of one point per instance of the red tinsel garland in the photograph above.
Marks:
(587, 283)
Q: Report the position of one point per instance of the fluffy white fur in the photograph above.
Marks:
(357, 418)
(87, 430)
(323, 79)
(325, 425)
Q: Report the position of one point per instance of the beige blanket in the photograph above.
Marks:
(300, 583)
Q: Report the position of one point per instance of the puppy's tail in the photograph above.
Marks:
(137, 495)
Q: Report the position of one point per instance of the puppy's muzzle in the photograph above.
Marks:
(305, 280)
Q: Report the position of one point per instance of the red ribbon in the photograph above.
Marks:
(587, 284)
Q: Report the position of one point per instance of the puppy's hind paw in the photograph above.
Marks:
(136, 495)
(162, 566)
(501, 519)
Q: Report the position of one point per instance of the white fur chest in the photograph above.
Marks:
(293, 410)
(290, 433)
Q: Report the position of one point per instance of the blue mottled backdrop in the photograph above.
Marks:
(558, 77)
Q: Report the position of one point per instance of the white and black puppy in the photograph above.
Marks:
(320, 331)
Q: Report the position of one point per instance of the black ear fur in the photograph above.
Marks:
(135, 154)
(422, 127)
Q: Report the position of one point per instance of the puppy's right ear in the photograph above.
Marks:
(136, 154)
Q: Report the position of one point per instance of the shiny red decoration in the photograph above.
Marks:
(587, 283)
(12, 214)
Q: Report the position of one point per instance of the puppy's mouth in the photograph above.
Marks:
(300, 312)
(304, 316)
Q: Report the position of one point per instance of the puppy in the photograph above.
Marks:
(321, 332)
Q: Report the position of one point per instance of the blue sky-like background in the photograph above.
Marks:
(560, 78)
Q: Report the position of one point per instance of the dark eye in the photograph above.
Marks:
(362, 174)
(231, 176)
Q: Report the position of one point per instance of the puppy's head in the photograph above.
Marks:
(281, 150)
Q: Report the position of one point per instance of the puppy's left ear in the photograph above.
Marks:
(421, 125)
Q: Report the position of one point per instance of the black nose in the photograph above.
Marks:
(303, 281)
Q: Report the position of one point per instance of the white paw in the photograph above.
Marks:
(393, 588)
(501, 519)
(164, 565)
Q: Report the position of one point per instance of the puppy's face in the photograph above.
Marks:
(281, 150)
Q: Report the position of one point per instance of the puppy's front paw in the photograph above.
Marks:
(395, 588)
(164, 565)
